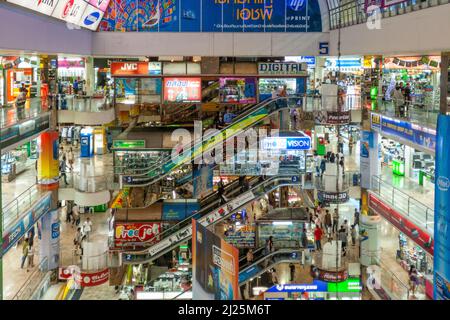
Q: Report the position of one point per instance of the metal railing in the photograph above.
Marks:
(353, 12)
(27, 290)
(404, 203)
(81, 103)
(11, 114)
(391, 283)
(14, 209)
(415, 112)
(88, 184)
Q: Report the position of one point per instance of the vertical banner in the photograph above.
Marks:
(48, 164)
(203, 181)
(215, 266)
(50, 231)
(442, 211)
(368, 157)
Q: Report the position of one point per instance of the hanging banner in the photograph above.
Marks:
(213, 16)
(203, 180)
(442, 211)
(49, 244)
(129, 233)
(215, 266)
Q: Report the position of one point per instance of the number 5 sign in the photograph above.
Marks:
(324, 48)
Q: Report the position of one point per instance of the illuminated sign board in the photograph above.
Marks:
(182, 90)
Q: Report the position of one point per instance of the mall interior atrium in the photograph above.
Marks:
(249, 150)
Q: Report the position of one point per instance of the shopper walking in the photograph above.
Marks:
(304, 239)
(318, 238)
(323, 167)
(317, 164)
(341, 164)
(353, 234)
(413, 279)
(30, 257)
(399, 101)
(20, 104)
(335, 220)
(350, 145)
(70, 158)
(87, 228)
(292, 271)
(340, 144)
(342, 236)
(25, 250)
(62, 169)
(250, 256)
(76, 216)
(328, 222)
(356, 217)
(221, 191)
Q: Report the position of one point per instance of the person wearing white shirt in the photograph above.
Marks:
(274, 93)
(87, 228)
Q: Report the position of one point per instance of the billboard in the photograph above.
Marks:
(132, 68)
(182, 90)
(213, 16)
(442, 212)
(179, 209)
(237, 90)
(215, 266)
(130, 233)
(50, 231)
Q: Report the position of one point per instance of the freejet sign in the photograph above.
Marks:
(280, 143)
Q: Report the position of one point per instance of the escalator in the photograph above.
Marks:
(267, 262)
(166, 165)
(212, 213)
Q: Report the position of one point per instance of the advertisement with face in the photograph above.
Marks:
(215, 266)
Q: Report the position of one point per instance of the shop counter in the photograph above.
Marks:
(398, 167)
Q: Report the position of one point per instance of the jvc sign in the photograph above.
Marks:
(284, 143)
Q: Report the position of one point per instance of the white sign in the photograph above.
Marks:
(70, 10)
(283, 68)
(91, 18)
(42, 6)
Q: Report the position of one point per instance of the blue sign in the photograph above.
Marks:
(315, 286)
(442, 211)
(283, 143)
(214, 16)
(298, 143)
(179, 210)
(92, 18)
(249, 273)
(295, 179)
(422, 136)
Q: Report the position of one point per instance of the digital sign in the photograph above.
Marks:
(182, 90)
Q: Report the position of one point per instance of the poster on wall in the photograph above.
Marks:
(442, 211)
(130, 233)
(215, 266)
(242, 236)
(237, 90)
(182, 90)
(203, 180)
(213, 16)
(179, 209)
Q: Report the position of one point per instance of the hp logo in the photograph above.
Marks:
(296, 5)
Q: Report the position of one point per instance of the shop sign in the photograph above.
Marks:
(129, 144)
(309, 60)
(410, 229)
(284, 143)
(91, 18)
(131, 68)
(350, 285)
(330, 276)
(85, 279)
(332, 197)
(71, 63)
(332, 117)
(244, 236)
(182, 90)
(334, 63)
(315, 286)
(416, 134)
(154, 68)
(70, 10)
(135, 232)
(218, 16)
(43, 6)
(283, 68)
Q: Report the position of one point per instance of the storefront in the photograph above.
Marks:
(18, 71)
(72, 75)
(349, 289)
(422, 73)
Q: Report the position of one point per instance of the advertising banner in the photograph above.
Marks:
(368, 157)
(48, 162)
(332, 117)
(237, 90)
(131, 68)
(285, 143)
(332, 197)
(85, 279)
(49, 244)
(179, 209)
(283, 68)
(42, 6)
(128, 233)
(182, 90)
(215, 266)
(214, 16)
(414, 133)
(243, 236)
(442, 211)
(410, 229)
(70, 10)
(91, 17)
(12, 234)
(203, 180)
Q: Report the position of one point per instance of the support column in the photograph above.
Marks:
(48, 180)
(369, 239)
(90, 76)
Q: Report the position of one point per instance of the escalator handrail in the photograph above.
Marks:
(262, 184)
(271, 254)
(199, 143)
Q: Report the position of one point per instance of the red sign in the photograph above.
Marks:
(85, 279)
(410, 229)
(125, 233)
(182, 90)
(133, 68)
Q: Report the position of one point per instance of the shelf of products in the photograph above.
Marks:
(15, 162)
(409, 255)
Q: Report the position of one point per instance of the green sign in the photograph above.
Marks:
(350, 285)
(129, 144)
